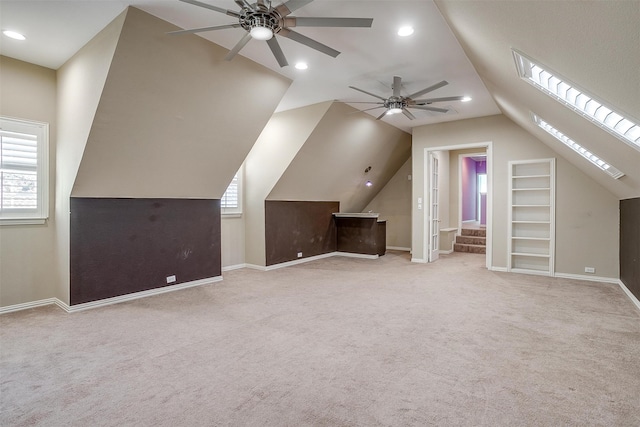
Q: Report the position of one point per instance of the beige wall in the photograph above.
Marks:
(173, 120)
(272, 153)
(80, 84)
(586, 213)
(393, 203)
(331, 164)
(27, 264)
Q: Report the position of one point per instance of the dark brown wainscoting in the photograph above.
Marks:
(299, 226)
(630, 244)
(122, 246)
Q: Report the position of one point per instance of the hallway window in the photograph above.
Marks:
(24, 171)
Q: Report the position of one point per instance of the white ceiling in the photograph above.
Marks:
(370, 57)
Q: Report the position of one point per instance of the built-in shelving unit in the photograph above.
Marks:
(532, 216)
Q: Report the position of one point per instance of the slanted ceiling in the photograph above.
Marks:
(595, 44)
(331, 164)
(174, 119)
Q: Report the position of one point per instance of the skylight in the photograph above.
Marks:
(606, 167)
(566, 92)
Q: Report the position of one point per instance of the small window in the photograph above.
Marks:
(24, 169)
(231, 202)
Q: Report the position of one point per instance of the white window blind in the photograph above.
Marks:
(23, 170)
(231, 202)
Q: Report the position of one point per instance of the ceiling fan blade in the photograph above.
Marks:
(243, 4)
(363, 102)
(286, 8)
(445, 99)
(382, 115)
(368, 93)
(328, 22)
(424, 107)
(285, 32)
(277, 52)
(211, 7)
(397, 84)
(429, 89)
(199, 30)
(408, 114)
(233, 52)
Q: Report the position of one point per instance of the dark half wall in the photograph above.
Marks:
(122, 246)
(292, 227)
(630, 244)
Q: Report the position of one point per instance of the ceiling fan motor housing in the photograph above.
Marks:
(261, 17)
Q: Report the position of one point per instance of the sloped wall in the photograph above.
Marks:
(174, 119)
(27, 269)
(331, 164)
(393, 203)
(586, 213)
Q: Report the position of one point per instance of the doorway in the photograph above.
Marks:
(472, 190)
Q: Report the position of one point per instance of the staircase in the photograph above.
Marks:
(472, 241)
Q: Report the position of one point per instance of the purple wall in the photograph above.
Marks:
(469, 189)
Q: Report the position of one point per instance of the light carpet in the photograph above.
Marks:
(334, 342)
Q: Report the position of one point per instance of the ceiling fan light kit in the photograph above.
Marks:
(262, 21)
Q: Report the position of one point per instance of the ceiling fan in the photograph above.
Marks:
(262, 21)
(397, 103)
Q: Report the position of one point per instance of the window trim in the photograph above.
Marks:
(41, 213)
(595, 160)
(235, 212)
(523, 65)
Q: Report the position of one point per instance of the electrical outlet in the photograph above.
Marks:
(171, 279)
(589, 270)
(299, 254)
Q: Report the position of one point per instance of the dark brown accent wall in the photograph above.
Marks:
(122, 246)
(299, 226)
(362, 235)
(630, 244)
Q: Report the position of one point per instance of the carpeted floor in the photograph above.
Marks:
(334, 342)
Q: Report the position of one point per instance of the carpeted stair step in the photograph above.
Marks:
(479, 232)
(473, 249)
(471, 240)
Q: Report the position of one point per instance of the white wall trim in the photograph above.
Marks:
(108, 301)
(499, 269)
(419, 260)
(233, 267)
(631, 296)
(352, 255)
(297, 261)
(398, 248)
(443, 252)
(256, 267)
(27, 305)
(587, 278)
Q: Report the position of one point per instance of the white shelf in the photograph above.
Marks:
(532, 216)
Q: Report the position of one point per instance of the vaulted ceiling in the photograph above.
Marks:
(468, 43)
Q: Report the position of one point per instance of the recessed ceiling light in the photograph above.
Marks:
(302, 66)
(466, 99)
(14, 35)
(405, 31)
(368, 183)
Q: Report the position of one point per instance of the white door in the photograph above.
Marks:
(434, 222)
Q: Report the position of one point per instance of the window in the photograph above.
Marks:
(606, 167)
(624, 128)
(24, 168)
(231, 202)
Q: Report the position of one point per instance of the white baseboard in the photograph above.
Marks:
(28, 305)
(234, 267)
(587, 278)
(631, 296)
(352, 255)
(419, 260)
(290, 263)
(108, 301)
(443, 252)
(499, 269)
(398, 248)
